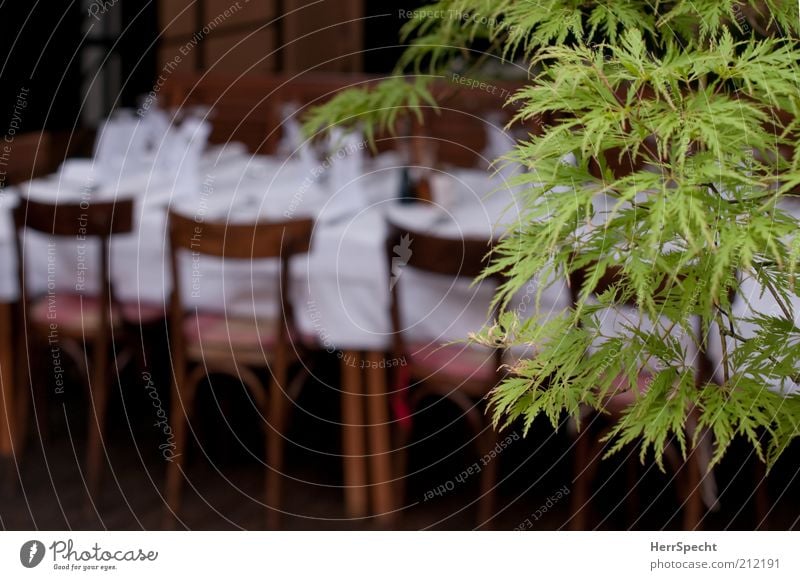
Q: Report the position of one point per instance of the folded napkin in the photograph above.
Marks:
(120, 136)
(293, 144)
(155, 124)
(292, 135)
(500, 143)
(181, 153)
(345, 168)
(79, 172)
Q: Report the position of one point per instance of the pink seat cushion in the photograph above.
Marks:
(218, 330)
(621, 396)
(457, 361)
(65, 310)
(71, 312)
(143, 313)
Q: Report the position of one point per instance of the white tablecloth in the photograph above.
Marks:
(340, 290)
(752, 300)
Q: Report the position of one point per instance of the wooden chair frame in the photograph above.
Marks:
(587, 452)
(463, 258)
(260, 240)
(83, 220)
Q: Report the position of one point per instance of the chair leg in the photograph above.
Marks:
(353, 438)
(97, 421)
(277, 411)
(7, 381)
(22, 405)
(632, 500)
(40, 406)
(7, 479)
(761, 494)
(579, 504)
(182, 401)
(486, 440)
(143, 355)
(35, 391)
(693, 506)
(30, 394)
(488, 481)
(379, 439)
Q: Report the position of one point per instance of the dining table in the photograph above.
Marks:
(340, 290)
(8, 367)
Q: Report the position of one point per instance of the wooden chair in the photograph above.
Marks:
(589, 445)
(239, 347)
(32, 155)
(462, 374)
(68, 321)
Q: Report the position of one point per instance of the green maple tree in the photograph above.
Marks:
(702, 97)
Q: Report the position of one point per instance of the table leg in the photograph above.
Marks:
(379, 437)
(353, 444)
(6, 381)
(693, 504)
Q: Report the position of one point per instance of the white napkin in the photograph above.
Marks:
(498, 140)
(120, 136)
(293, 145)
(499, 143)
(345, 166)
(292, 134)
(181, 152)
(155, 124)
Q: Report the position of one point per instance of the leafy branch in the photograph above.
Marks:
(682, 117)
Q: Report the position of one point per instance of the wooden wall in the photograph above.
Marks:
(260, 36)
(248, 108)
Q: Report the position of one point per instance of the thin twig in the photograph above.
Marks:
(724, 345)
(786, 312)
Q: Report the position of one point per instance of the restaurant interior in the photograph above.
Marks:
(211, 319)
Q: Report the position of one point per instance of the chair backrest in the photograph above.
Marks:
(465, 257)
(613, 276)
(457, 258)
(252, 241)
(31, 155)
(95, 219)
(81, 221)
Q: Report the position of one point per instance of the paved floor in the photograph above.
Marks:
(225, 474)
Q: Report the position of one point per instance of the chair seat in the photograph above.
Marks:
(73, 313)
(441, 369)
(622, 395)
(142, 312)
(457, 362)
(218, 333)
(70, 315)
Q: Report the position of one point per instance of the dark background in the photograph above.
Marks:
(44, 44)
(43, 47)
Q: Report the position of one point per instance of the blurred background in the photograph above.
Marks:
(94, 56)
(67, 66)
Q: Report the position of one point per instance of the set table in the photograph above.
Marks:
(339, 290)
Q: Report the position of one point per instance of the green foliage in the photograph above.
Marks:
(374, 109)
(704, 96)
